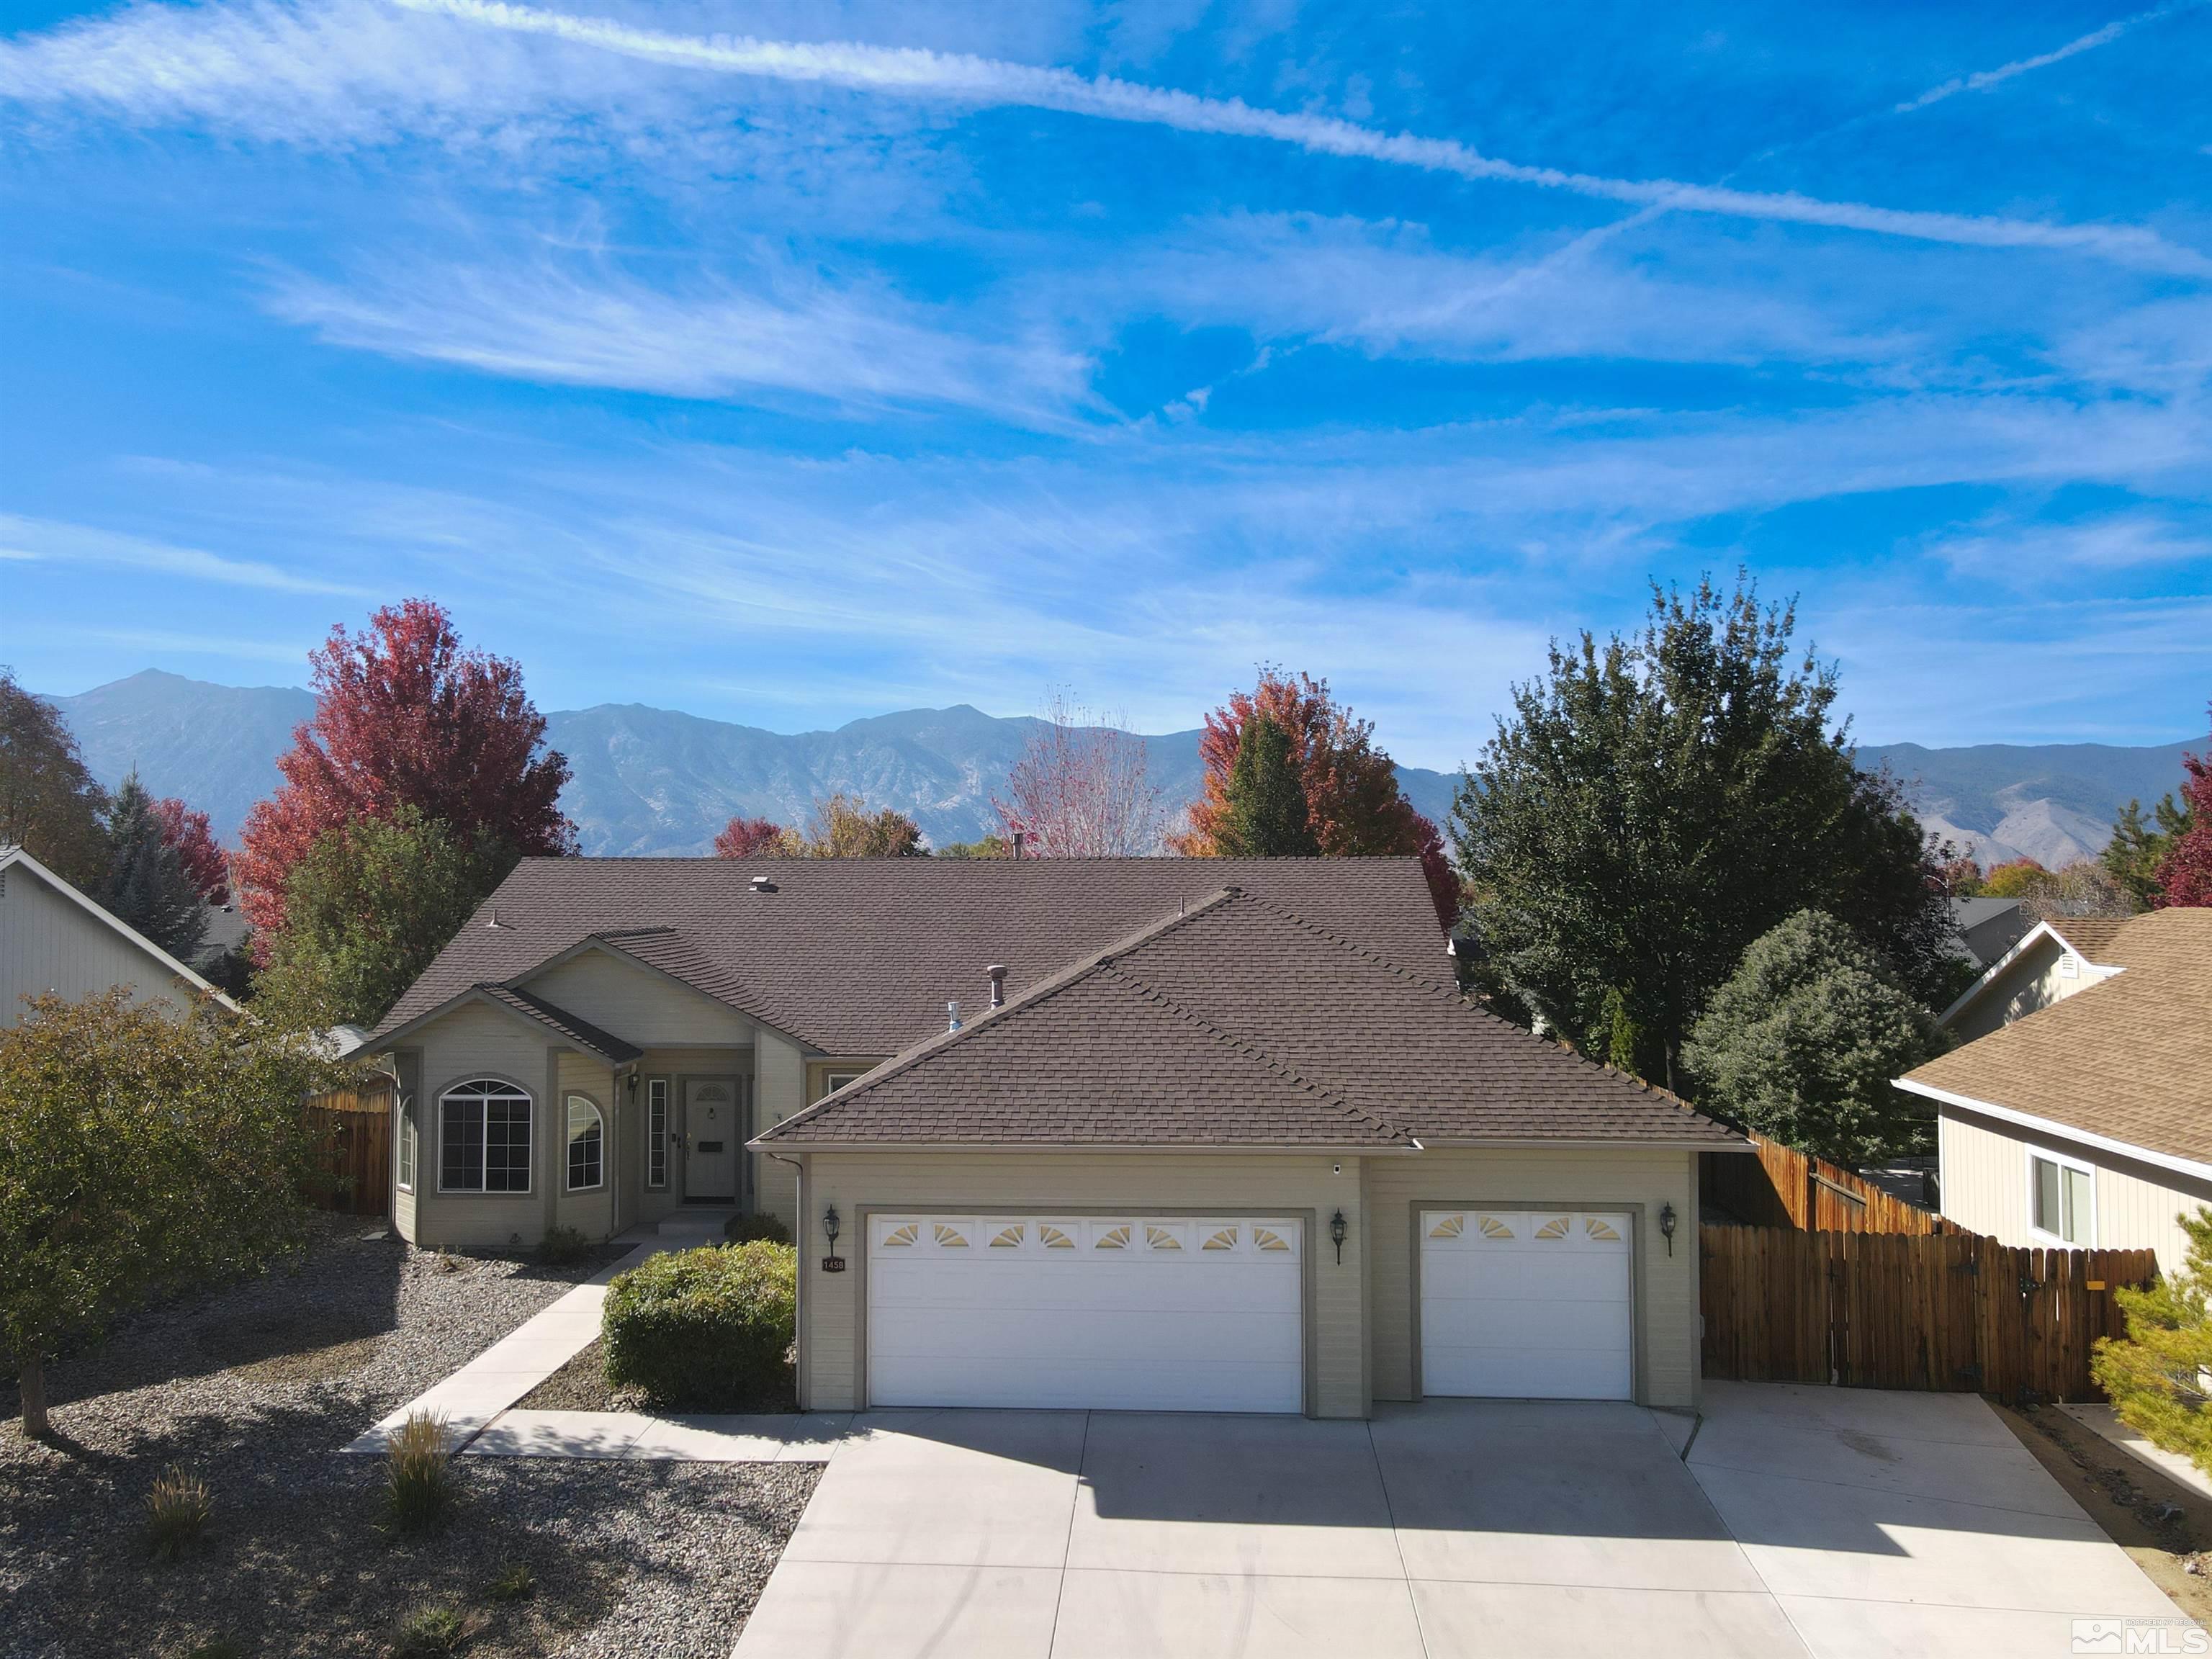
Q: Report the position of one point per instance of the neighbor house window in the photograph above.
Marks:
(587, 1143)
(484, 1138)
(833, 1081)
(656, 1131)
(405, 1156)
(2061, 1200)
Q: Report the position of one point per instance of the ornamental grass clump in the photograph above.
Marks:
(707, 1329)
(176, 1513)
(429, 1630)
(418, 1479)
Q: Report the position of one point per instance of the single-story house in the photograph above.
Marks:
(2082, 1118)
(1210, 1134)
(54, 939)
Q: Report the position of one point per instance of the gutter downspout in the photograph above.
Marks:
(799, 1293)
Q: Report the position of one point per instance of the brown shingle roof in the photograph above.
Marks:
(2128, 1058)
(2092, 936)
(859, 956)
(1242, 1023)
(562, 1023)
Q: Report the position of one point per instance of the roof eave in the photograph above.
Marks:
(385, 1043)
(769, 1142)
(2140, 1153)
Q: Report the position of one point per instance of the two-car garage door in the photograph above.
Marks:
(1130, 1312)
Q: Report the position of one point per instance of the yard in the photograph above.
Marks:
(253, 1389)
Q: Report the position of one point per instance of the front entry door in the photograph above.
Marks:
(714, 1129)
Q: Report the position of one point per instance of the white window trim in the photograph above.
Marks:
(530, 1159)
(407, 1154)
(2052, 1241)
(568, 1104)
(667, 1092)
(833, 1081)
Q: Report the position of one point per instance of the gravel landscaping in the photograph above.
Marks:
(253, 1389)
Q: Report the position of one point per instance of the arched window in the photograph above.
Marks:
(484, 1138)
(588, 1138)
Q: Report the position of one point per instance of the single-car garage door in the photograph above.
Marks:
(1527, 1304)
(1130, 1312)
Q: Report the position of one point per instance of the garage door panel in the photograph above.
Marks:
(1134, 1312)
(1536, 1303)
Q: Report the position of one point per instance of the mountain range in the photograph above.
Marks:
(656, 781)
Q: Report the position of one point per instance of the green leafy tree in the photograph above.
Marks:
(1654, 805)
(990, 847)
(140, 1153)
(2156, 1376)
(366, 911)
(49, 805)
(1803, 1042)
(146, 883)
(1266, 815)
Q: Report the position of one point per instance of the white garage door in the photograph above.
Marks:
(1133, 1312)
(1527, 1304)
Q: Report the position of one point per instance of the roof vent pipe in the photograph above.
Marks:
(494, 922)
(1018, 838)
(952, 1016)
(997, 970)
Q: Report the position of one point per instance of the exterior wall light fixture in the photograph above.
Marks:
(1336, 1235)
(1667, 1226)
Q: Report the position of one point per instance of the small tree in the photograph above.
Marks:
(139, 1152)
(1803, 1041)
(752, 838)
(990, 847)
(2156, 1376)
(146, 885)
(842, 826)
(1266, 802)
(191, 837)
(1079, 789)
(2014, 878)
(49, 805)
(366, 911)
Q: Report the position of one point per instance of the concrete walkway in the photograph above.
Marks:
(487, 1385)
(634, 1436)
(1839, 1523)
(2103, 1421)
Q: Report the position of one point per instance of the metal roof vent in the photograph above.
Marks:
(952, 1016)
(997, 970)
(494, 922)
(763, 884)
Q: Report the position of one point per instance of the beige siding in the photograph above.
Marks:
(477, 1041)
(779, 1091)
(1984, 1187)
(831, 1304)
(2036, 980)
(49, 943)
(1668, 1362)
(638, 1004)
(591, 1212)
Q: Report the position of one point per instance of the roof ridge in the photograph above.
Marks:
(1029, 997)
(1252, 1051)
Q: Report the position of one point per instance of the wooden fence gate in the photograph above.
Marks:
(351, 1133)
(1951, 1311)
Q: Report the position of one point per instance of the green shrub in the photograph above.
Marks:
(745, 1229)
(418, 1483)
(562, 1245)
(429, 1630)
(706, 1329)
(177, 1511)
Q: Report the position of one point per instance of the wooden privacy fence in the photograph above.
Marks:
(1781, 1187)
(1951, 1311)
(351, 1136)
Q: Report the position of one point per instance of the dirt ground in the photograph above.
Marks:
(2166, 1527)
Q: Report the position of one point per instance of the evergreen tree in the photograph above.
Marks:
(1803, 1041)
(2137, 849)
(1266, 799)
(147, 884)
(2154, 1377)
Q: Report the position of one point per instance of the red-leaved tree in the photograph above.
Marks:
(2185, 875)
(750, 838)
(1079, 790)
(1352, 799)
(189, 835)
(406, 717)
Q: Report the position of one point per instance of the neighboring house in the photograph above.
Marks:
(1232, 1141)
(1988, 927)
(2086, 1121)
(2052, 960)
(53, 939)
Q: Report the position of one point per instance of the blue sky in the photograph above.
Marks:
(789, 363)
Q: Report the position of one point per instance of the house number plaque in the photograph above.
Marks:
(833, 1264)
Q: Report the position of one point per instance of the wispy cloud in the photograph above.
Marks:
(2029, 553)
(973, 80)
(1982, 80)
(783, 331)
(46, 539)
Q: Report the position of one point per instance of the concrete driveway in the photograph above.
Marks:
(1805, 1520)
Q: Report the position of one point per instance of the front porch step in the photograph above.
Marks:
(695, 1224)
